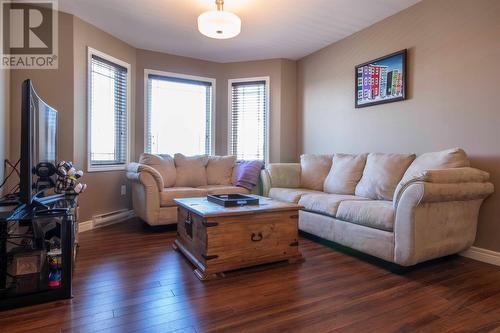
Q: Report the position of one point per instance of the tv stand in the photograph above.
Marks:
(37, 246)
(38, 205)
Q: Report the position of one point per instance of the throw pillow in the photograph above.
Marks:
(164, 164)
(382, 174)
(314, 169)
(345, 173)
(191, 170)
(220, 170)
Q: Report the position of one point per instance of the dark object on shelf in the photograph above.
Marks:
(44, 171)
(232, 200)
(25, 284)
(26, 262)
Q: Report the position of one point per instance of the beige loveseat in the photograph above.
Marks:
(158, 179)
(398, 207)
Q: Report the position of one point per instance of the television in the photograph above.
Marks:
(38, 142)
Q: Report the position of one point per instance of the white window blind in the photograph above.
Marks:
(179, 115)
(108, 113)
(248, 137)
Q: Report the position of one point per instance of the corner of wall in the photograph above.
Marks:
(288, 116)
(4, 119)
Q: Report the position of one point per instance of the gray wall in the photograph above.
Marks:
(453, 88)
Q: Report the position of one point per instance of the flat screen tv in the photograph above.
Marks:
(38, 140)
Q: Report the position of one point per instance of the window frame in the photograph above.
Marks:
(230, 82)
(212, 81)
(111, 167)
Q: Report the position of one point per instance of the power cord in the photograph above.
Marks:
(11, 196)
(13, 169)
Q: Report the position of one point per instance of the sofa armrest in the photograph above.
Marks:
(281, 175)
(134, 171)
(436, 192)
(448, 184)
(266, 182)
(146, 187)
(437, 219)
(454, 175)
(422, 192)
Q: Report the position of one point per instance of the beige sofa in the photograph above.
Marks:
(398, 207)
(158, 179)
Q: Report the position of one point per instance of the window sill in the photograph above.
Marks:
(97, 168)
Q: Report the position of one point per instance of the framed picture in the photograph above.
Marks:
(382, 80)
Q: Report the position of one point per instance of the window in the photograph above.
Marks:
(108, 112)
(179, 115)
(248, 118)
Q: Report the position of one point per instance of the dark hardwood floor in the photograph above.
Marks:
(128, 279)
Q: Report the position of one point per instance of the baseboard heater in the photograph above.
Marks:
(112, 217)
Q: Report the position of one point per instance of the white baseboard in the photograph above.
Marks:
(85, 226)
(480, 254)
(90, 225)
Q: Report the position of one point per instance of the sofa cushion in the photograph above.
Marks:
(289, 194)
(326, 204)
(382, 174)
(445, 159)
(220, 170)
(314, 169)
(376, 214)
(224, 189)
(164, 164)
(191, 170)
(168, 195)
(345, 173)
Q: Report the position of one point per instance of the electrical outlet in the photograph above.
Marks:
(123, 190)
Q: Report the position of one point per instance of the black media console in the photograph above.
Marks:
(37, 252)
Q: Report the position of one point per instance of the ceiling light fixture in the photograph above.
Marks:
(218, 23)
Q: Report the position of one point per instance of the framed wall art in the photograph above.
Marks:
(381, 80)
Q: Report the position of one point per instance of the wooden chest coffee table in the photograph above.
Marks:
(218, 239)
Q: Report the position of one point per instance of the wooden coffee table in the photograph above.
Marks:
(218, 239)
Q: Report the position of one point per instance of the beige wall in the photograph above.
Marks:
(453, 88)
(103, 194)
(4, 120)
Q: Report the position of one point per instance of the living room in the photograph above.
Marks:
(377, 208)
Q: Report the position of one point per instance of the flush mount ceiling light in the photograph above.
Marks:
(218, 23)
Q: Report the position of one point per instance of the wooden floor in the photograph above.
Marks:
(130, 280)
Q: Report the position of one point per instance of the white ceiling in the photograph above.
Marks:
(270, 28)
